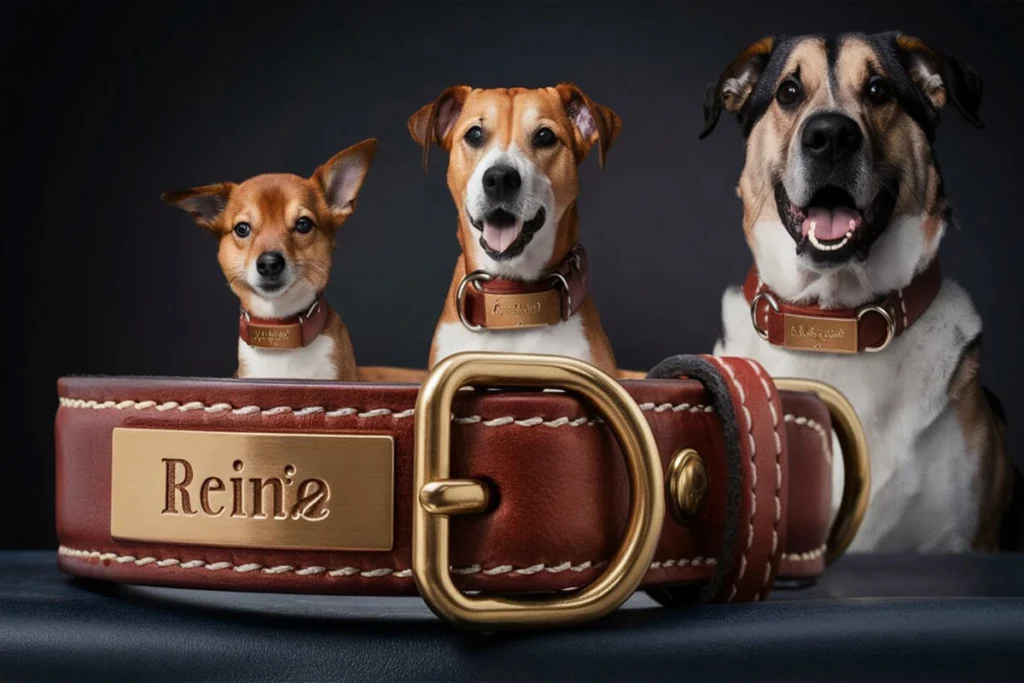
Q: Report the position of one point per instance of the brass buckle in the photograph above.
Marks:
(856, 463)
(437, 496)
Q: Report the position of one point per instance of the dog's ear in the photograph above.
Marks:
(341, 178)
(433, 122)
(204, 203)
(941, 78)
(594, 123)
(734, 85)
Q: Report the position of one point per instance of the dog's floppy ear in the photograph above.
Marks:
(594, 123)
(941, 78)
(341, 177)
(734, 85)
(204, 203)
(433, 122)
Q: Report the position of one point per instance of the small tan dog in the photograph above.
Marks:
(276, 233)
(520, 284)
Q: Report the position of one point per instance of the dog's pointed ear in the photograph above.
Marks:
(205, 204)
(594, 123)
(736, 82)
(341, 178)
(941, 78)
(433, 122)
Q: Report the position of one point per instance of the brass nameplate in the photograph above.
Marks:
(522, 310)
(833, 335)
(275, 336)
(263, 490)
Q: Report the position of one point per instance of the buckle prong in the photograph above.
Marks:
(455, 497)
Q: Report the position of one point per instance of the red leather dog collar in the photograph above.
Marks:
(868, 328)
(487, 302)
(284, 333)
(153, 488)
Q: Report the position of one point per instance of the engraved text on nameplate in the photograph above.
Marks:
(258, 490)
(806, 333)
(522, 310)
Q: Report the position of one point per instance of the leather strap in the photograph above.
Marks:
(498, 303)
(284, 333)
(562, 493)
(812, 328)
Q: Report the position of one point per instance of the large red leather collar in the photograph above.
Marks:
(284, 333)
(553, 522)
(869, 328)
(487, 302)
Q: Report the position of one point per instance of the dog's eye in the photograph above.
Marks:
(789, 91)
(475, 136)
(878, 90)
(545, 137)
(243, 229)
(303, 225)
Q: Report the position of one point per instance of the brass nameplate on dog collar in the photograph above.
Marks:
(522, 310)
(832, 335)
(275, 336)
(262, 490)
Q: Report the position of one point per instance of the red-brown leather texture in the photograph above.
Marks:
(562, 490)
(904, 306)
(574, 269)
(306, 328)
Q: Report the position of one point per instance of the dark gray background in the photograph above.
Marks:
(105, 107)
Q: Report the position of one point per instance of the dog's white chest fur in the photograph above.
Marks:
(315, 361)
(564, 339)
(924, 480)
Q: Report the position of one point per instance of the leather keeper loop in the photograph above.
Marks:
(746, 563)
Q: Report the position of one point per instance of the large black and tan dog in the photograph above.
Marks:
(843, 209)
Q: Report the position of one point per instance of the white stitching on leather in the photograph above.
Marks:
(365, 573)
(753, 471)
(806, 556)
(810, 423)
(373, 412)
(903, 305)
(778, 468)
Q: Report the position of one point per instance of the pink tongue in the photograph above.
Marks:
(500, 238)
(831, 224)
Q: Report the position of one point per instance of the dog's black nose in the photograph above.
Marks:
(501, 181)
(270, 263)
(831, 137)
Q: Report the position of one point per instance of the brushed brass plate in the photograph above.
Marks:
(522, 310)
(253, 490)
(275, 336)
(833, 335)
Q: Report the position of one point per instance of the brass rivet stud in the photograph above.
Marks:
(686, 486)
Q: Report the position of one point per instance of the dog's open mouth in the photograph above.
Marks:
(504, 235)
(831, 219)
(832, 224)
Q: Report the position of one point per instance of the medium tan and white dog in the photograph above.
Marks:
(520, 283)
(843, 209)
(276, 236)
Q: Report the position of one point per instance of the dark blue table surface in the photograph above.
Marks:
(870, 618)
